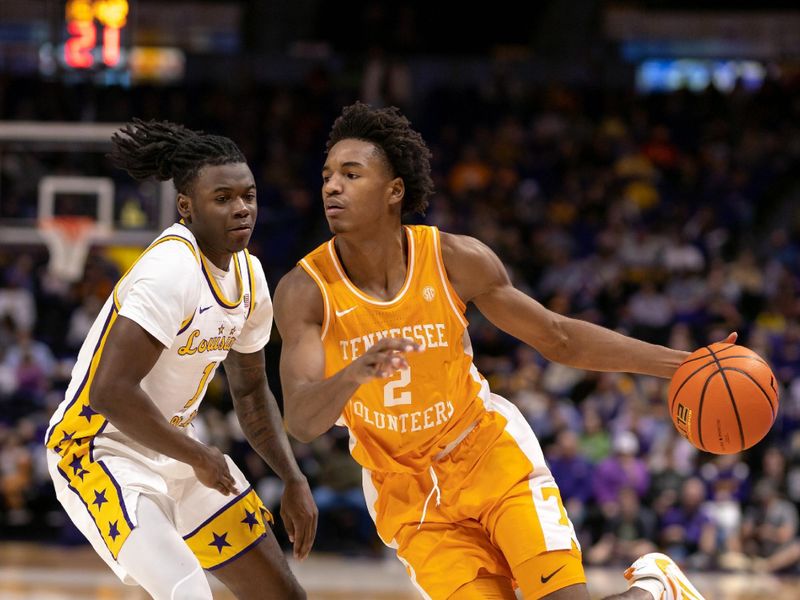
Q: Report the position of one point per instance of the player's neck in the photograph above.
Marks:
(221, 260)
(376, 264)
(218, 258)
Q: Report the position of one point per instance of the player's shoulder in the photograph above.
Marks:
(172, 260)
(296, 285)
(171, 253)
(456, 246)
(297, 293)
(174, 247)
(168, 267)
(471, 266)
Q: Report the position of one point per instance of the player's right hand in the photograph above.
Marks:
(383, 359)
(211, 469)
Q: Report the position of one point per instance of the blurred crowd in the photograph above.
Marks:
(671, 218)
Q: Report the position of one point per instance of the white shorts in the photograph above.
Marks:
(98, 483)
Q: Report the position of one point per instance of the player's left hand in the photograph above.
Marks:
(299, 514)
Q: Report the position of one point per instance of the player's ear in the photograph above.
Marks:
(185, 207)
(397, 190)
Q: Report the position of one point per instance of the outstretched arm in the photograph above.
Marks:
(312, 402)
(478, 276)
(260, 419)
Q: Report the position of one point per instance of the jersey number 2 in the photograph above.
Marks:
(390, 395)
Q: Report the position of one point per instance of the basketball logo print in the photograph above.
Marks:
(683, 420)
(428, 293)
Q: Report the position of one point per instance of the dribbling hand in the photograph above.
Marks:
(212, 470)
(383, 359)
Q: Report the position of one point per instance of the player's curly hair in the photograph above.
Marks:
(406, 152)
(167, 150)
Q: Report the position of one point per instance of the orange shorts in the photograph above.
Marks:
(498, 507)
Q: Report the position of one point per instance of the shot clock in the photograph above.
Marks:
(94, 32)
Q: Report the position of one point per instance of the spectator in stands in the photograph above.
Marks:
(595, 442)
(651, 313)
(687, 530)
(667, 474)
(26, 348)
(770, 530)
(16, 293)
(15, 477)
(730, 468)
(626, 534)
(344, 519)
(621, 470)
(726, 513)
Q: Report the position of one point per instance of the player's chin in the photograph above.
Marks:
(336, 225)
(238, 239)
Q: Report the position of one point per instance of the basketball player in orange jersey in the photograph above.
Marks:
(158, 505)
(375, 338)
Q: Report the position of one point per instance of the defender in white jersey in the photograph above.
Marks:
(158, 505)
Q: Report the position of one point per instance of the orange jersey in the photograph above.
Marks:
(400, 423)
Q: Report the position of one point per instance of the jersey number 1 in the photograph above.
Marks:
(390, 397)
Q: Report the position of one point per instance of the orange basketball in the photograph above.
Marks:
(723, 398)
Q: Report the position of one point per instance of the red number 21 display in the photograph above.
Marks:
(83, 19)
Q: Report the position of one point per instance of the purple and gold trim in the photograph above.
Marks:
(251, 281)
(99, 492)
(215, 291)
(79, 420)
(231, 531)
(187, 322)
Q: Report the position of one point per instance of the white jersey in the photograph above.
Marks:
(196, 310)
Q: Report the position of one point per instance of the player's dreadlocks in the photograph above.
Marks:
(169, 151)
(405, 150)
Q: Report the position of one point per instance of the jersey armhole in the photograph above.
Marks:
(458, 306)
(251, 283)
(325, 301)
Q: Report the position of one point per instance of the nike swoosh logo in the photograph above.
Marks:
(341, 313)
(202, 310)
(549, 577)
